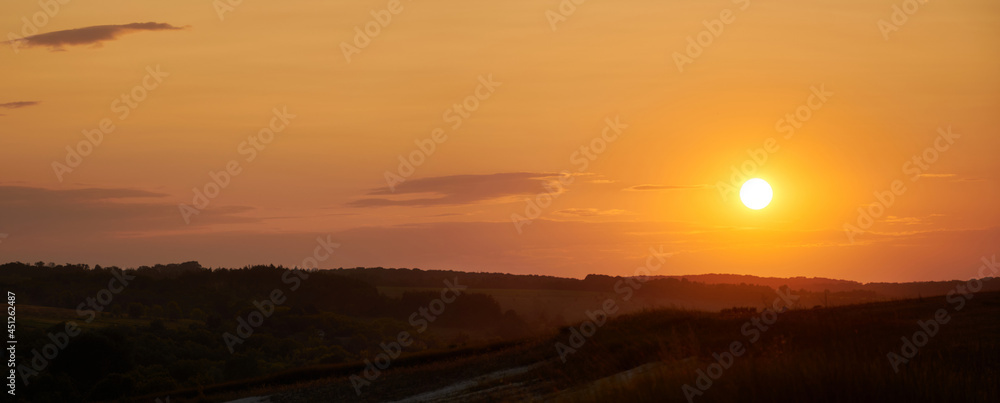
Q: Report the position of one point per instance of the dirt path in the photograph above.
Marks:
(466, 387)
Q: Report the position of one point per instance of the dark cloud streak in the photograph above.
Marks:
(94, 35)
(459, 189)
(85, 212)
(18, 104)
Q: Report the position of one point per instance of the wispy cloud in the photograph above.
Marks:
(457, 189)
(952, 177)
(18, 104)
(648, 187)
(94, 35)
(910, 220)
(590, 212)
(57, 213)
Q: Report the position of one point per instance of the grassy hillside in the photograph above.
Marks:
(816, 355)
(166, 334)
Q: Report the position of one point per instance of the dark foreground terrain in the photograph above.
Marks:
(837, 354)
(184, 333)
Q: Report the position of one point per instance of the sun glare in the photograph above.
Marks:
(756, 193)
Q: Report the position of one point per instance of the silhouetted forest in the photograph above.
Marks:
(164, 330)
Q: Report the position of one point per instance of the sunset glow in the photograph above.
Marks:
(669, 201)
(146, 133)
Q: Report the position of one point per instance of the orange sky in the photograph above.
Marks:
(557, 81)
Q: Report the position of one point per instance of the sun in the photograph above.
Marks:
(756, 193)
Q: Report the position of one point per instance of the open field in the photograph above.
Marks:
(818, 355)
(546, 306)
(34, 317)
